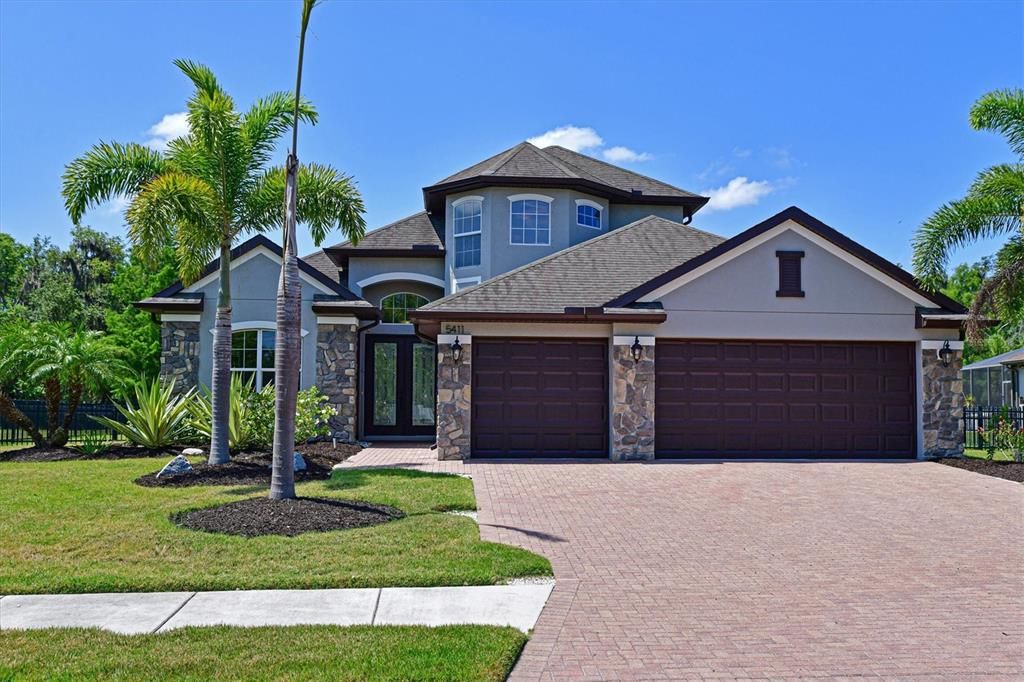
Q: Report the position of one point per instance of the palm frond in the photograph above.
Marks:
(954, 225)
(1003, 183)
(107, 170)
(1002, 293)
(267, 120)
(327, 200)
(1002, 111)
(165, 203)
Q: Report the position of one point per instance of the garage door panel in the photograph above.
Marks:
(551, 399)
(797, 398)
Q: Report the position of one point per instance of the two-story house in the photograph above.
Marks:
(547, 304)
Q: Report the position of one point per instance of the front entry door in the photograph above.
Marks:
(400, 384)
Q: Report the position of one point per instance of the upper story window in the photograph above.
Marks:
(467, 223)
(395, 308)
(530, 219)
(252, 355)
(588, 214)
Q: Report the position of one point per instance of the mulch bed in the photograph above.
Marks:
(1011, 471)
(253, 468)
(52, 454)
(263, 516)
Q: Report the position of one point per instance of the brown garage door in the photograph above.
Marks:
(544, 398)
(784, 398)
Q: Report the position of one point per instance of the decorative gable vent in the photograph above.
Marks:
(789, 274)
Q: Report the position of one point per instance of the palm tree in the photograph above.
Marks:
(994, 206)
(208, 188)
(68, 364)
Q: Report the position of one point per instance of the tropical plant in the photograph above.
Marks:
(157, 417)
(249, 425)
(208, 188)
(93, 443)
(311, 415)
(67, 364)
(287, 353)
(993, 206)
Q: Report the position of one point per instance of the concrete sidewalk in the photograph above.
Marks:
(517, 605)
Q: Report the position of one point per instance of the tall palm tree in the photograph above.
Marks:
(208, 188)
(993, 206)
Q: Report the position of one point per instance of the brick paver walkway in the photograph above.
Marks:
(760, 570)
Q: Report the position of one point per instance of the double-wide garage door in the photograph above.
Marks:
(545, 398)
(784, 399)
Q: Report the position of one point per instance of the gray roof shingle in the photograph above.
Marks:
(589, 274)
(418, 229)
(557, 163)
(323, 263)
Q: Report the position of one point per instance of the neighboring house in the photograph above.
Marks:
(547, 304)
(996, 381)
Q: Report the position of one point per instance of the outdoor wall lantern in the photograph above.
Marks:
(945, 354)
(637, 349)
(456, 350)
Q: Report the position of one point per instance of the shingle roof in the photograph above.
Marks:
(586, 275)
(322, 262)
(1011, 357)
(418, 229)
(557, 163)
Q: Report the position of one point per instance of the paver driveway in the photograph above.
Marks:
(760, 569)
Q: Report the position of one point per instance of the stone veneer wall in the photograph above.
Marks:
(454, 401)
(632, 404)
(942, 404)
(179, 354)
(337, 375)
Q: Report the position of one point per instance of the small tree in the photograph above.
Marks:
(68, 365)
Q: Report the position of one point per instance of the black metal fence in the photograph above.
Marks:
(978, 421)
(81, 424)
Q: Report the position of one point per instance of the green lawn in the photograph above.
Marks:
(83, 526)
(978, 453)
(468, 652)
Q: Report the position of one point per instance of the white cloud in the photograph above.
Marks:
(117, 205)
(782, 157)
(739, 191)
(625, 155)
(570, 137)
(168, 128)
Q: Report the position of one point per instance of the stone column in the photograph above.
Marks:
(337, 364)
(454, 398)
(942, 403)
(632, 400)
(179, 354)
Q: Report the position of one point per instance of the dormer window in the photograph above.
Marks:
(466, 225)
(588, 214)
(530, 219)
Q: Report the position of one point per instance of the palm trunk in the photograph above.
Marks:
(51, 395)
(288, 351)
(221, 383)
(10, 412)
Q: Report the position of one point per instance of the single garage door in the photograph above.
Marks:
(784, 398)
(545, 398)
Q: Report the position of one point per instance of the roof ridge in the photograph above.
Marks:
(558, 162)
(552, 256)
(612, 165)
(502, 158)
(390, 225)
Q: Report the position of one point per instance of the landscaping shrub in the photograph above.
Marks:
(93, 443)
(311, 415)
(158, 417)
(241, 431)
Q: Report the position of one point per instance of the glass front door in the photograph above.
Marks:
(400, 386)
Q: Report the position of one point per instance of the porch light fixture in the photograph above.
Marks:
(636, 349)
(456, 350)
(945, 354)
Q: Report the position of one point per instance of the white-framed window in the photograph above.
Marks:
(252, 355)
(530, 219)
(588, 213)
(395, 308)
(467, 223)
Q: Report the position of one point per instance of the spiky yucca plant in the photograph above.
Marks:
(158, 417)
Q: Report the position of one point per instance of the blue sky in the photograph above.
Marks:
(855, 112)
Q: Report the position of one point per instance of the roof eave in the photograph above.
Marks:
(433, 196)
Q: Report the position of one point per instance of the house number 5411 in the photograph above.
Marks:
(454, 329)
